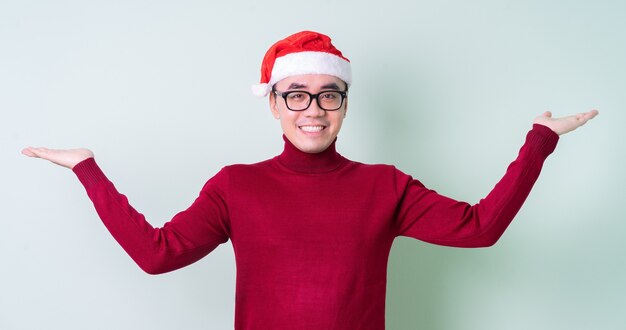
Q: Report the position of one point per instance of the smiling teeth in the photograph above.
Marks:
(311, 128)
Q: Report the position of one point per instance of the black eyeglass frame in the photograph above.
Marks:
(284, 95)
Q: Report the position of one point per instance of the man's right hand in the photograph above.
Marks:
(66, 158)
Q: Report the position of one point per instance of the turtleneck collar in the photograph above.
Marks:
(299, 161)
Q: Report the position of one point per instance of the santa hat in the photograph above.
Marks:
(305, 52)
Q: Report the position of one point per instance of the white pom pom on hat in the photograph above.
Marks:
(305, 52)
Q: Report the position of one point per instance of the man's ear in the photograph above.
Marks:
(345, 107)
(274, 106)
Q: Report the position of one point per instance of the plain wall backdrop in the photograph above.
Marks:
(445, 90)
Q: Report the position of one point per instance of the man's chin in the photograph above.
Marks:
(312, 147)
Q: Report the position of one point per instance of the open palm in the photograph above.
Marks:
(67, 158)
(565, 124)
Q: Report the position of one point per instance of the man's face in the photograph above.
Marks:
(311, 130)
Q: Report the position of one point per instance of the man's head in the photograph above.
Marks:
(320, 104)
(307, 80)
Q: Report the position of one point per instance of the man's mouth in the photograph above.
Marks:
(312, 128)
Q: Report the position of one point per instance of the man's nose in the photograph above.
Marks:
(314, 110)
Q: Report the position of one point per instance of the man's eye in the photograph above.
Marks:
(296, 96)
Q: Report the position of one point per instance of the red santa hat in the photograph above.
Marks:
(305, 52)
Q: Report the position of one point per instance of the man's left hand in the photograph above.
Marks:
(566, 124)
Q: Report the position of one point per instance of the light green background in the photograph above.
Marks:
(445, 90)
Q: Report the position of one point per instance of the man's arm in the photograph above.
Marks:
(428, 216)
(188, 237)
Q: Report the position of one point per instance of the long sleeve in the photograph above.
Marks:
(424, 214)
(185, 239)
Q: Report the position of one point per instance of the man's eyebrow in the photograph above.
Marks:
(331, 86)
(296, 85)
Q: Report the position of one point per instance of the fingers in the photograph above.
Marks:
(42, 153)
(36, 152)
(586, 116)
(591, 114)
(32, 152)
(28, 152)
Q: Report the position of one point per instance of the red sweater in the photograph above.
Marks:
(312, 232)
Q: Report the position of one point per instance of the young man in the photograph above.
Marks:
(312, 230)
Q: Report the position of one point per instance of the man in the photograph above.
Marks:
(312, 230)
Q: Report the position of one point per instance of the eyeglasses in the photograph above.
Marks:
(301, 100)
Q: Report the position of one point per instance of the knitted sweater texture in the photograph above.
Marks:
(312, 232)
